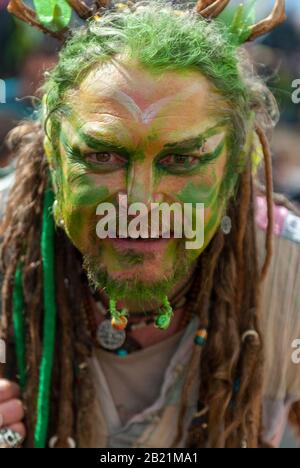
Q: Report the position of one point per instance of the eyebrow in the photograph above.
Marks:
(195, 142)
(184, 145)
(189, 144)
(101, 142)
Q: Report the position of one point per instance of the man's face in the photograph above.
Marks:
(152, 137)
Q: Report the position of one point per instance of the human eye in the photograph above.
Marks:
(106, 160)
(179, 164)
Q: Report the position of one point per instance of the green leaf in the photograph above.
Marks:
(53, 14)
(239, 19)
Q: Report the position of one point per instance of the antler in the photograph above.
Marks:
(211, 8)
(102, 3)
(81, 8)
(19, 9)
(25, 13)
(277, 17)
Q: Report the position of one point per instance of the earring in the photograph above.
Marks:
(61, 223)
(226, 225)
(58, 219)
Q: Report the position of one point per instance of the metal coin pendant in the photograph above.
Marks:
(108, 337)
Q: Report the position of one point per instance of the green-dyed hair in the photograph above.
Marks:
(228, 276)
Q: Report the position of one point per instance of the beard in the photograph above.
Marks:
(135, 288)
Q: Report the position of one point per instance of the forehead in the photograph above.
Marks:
(139, 104)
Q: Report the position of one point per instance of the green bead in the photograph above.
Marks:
(122, 352)
(163, 321)
(199, 340)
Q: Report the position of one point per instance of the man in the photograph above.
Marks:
(129, 341)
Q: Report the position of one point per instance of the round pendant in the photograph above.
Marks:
(110, 338)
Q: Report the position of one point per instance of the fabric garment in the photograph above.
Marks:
(154, 379)
(138, 395)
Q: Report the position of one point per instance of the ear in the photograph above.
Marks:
(49, 151)
(257, 153)
(48, 143)
(252, 145)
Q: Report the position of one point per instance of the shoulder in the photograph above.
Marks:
(281, 302)
(286, 222)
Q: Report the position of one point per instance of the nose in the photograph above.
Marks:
(141, 184)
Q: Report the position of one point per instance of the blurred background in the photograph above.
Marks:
(27, 54)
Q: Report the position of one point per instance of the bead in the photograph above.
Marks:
(53, 441)
(201, 337)
(163, 321)
(122, 352)
(202, 333)
(251, 333)
(119, 323)
(244, 444)
(82, 366)
(199, 341)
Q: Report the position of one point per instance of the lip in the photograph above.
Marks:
(141, 245)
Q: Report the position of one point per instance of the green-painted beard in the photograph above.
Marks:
(135, 289)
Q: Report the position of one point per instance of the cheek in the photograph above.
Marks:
(205, 188)
(79, 196)
(198, 188)
(80, 227)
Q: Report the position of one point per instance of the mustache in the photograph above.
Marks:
(149, 231)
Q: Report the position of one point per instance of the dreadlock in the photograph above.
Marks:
(73, 344)
(226, 288)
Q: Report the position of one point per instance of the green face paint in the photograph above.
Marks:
(86, 193)
(209, 196)
(206, 193)
(199, 193)
(78, 196)
(141, 162)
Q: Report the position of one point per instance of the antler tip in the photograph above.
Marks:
(277, 17)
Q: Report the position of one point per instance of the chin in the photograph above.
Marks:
(149, 274)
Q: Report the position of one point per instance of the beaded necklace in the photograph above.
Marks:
(120, 342)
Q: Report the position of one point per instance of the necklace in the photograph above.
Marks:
(107, 337)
